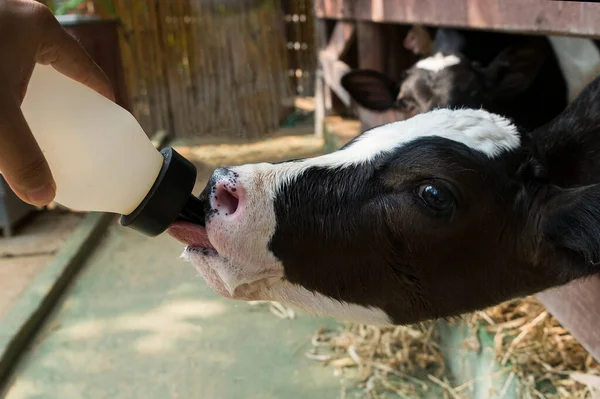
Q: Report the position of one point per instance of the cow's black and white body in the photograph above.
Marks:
(444, 213)
(527, 79)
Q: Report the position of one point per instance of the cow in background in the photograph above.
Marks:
(529, 79)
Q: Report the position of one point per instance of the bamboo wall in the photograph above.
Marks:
(203, 68)
(212, 68)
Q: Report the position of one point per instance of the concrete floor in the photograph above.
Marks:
(139, 323)
(33, 246)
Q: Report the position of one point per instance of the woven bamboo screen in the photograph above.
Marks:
(213, 68)
(206, 68)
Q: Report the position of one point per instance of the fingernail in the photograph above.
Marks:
(41, 195)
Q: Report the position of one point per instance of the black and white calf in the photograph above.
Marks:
(527, 79)
(437, 215)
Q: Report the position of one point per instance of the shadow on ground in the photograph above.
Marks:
(140, 324)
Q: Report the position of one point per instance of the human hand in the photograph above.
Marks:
(30, 34)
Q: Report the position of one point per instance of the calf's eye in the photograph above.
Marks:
(436, 197)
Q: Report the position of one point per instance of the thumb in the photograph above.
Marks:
(66, 55)
(22, 163)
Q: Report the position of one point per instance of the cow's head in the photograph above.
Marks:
(450, 80)
(444, 213)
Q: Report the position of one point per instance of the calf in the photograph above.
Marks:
(441, 214)
(527, 79)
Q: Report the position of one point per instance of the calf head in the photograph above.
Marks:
(450, 80)
(444, 213)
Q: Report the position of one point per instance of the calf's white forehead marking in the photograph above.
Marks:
(437, 62)
(488, 133)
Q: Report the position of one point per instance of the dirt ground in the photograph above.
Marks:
(33, 245)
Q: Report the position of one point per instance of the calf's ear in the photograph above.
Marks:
(371, 89)
(569, 146)
(514, 69)
(568, 153)
(571, 225)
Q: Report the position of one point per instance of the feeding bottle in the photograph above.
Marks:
(102, 160)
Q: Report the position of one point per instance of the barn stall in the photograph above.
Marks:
(221, 79)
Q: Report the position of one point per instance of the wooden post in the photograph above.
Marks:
(371, 55)
(371, 49)
(329, 59)
(322, 92)
(398, 57)
(575, 306)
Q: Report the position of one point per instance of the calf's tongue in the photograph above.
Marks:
(190, 234)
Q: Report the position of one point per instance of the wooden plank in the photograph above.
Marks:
(341, 38)
(310, 53)
(372, 54)
(333, 68)
(399, 59)
(320, 89)
(302, 55)
(322, 93)
(575, 306)
(371, 49)
(526, 16)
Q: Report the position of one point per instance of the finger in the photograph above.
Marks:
(22, 163)
(64, 53)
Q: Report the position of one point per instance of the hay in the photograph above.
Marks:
(532, 348)
(279, 310)
(392, 359)
(549, 362)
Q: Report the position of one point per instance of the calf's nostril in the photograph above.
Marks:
(226, 199)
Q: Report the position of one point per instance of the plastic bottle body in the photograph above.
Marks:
(99, 155)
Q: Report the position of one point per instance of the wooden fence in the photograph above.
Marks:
(213, 68)
(301, 46)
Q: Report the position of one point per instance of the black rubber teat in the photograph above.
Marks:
(193, 211)
(169, 198)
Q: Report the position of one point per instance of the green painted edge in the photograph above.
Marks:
(20, 325)
(331, 142)
(480, 367)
